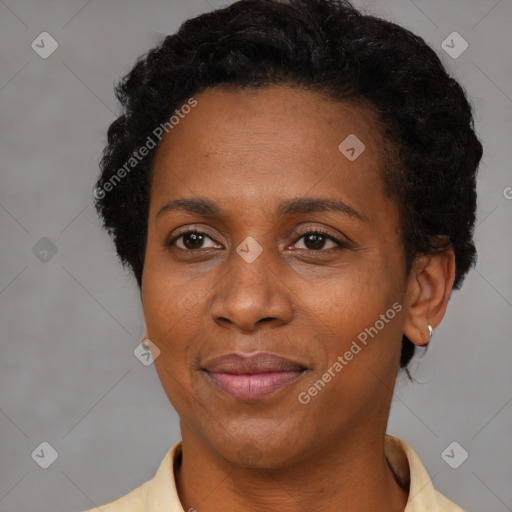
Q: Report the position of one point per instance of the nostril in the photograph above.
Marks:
(266, 319)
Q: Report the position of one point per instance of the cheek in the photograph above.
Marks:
(175, 311)
(353, 296)
(363, 308)
(167, 298)
(169, 316)
(166, 310)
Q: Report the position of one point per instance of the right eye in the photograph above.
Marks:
(192, 240)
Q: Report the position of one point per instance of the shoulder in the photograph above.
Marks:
(158, 493)
(134, 500)
(409, 470)
(445, 505)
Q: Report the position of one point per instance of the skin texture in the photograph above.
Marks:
(248, 151)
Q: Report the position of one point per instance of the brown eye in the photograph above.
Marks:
(316, 241)
(192, 240)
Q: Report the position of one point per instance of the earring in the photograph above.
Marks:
(430, 332)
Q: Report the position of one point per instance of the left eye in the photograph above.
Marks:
(315, 241)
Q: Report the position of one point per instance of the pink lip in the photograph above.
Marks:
(252, 377)
(253, 386)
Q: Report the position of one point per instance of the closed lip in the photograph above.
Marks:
(260, 362)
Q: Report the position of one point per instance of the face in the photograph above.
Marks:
(267, 240)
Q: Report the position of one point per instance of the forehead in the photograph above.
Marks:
(298, 115)
(263, 144)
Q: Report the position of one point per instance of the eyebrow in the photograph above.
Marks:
(204, 206)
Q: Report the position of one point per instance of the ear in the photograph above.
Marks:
(428, 290)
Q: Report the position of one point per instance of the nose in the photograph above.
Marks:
(252, 294)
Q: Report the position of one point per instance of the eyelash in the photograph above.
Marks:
(313, 231)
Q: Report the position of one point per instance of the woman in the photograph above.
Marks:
(293, 186)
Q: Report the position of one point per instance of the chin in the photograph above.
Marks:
(254, 448)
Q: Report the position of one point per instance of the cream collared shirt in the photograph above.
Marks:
(160, 495)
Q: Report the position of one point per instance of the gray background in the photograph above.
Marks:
(69, 325)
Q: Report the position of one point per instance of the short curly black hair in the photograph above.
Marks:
(326, 46)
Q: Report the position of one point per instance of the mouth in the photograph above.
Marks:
(252, 377)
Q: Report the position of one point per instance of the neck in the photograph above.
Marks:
(349, 475)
